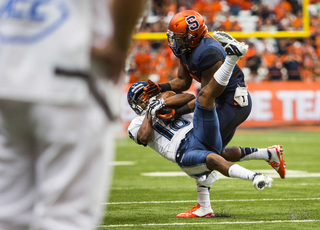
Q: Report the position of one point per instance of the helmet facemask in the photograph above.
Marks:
(135, 105)
(179, 42)
(135, 97)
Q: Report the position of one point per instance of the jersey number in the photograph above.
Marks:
(174, 125)
(192, 22)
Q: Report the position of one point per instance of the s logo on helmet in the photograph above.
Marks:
(192, 22)
(29, 21)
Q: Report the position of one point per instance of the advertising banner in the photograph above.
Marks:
(284, 103)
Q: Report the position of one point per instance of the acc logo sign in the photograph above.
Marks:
(29, 21)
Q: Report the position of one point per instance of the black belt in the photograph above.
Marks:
(92, 87)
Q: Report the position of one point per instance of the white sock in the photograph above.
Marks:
(261, 154)
(236, 171)
(203, 196)
(223, 74)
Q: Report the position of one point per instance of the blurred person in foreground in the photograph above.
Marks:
(56, 142)
(192, 140)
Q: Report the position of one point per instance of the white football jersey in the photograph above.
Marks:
(167, 136)
(33, 34)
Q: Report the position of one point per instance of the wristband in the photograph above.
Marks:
(165, 87)
(183, 110)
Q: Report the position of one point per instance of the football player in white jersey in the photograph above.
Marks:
(56, 143)
(192, 141)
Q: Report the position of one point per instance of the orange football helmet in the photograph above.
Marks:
(185, 31)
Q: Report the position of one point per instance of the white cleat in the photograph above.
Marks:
(261, 181)
(223, 37)
(231, 45)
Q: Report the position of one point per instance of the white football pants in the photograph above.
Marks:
(54, 166)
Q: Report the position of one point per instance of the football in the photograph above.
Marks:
(165, 94)
(165, 110)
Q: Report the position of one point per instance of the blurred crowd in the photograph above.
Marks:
(268, 59)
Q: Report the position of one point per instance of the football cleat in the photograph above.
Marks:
(261, 181)
(222, 37)
(276, 160)
(231, 45)
(197, 211)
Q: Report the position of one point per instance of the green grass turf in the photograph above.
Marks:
(292, 203)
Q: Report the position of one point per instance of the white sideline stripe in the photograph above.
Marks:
(192, 201)
(211, 223)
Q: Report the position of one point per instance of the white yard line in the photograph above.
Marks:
(192, 201)
(268, 172)
(208, 223)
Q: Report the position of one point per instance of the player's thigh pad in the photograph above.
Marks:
(194, 162)
(206, 128)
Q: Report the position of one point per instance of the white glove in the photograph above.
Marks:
(155, 106)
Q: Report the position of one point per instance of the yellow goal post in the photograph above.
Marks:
(305, 32)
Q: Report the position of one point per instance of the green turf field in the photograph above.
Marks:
(139, 201)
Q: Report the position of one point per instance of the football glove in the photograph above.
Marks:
(150, 90)
(166, 114)
(155, 106)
